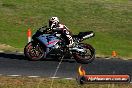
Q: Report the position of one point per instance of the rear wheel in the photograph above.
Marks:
(33, 51)
(87, 56)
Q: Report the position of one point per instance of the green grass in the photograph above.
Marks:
(111, 20)
(23, 82)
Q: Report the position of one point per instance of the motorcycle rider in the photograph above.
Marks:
(56, 26)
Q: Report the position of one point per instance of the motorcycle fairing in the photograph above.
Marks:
(48, 40)
(85, 35)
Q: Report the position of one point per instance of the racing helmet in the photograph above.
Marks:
(53, 20)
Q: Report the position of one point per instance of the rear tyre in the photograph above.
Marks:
(86, 57)
(34, 52)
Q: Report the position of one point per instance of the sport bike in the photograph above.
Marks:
(47, 44)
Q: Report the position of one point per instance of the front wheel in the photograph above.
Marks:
(87, 56)
(33, 51)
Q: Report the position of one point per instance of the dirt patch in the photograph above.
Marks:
(4, 47)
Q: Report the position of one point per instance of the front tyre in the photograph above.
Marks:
(85, 57)
(33, 51)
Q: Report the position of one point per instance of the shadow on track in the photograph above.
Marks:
(22, 57)
(12, 56)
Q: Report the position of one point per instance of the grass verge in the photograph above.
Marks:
(23, 82)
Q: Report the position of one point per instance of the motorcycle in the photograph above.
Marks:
(46, 43)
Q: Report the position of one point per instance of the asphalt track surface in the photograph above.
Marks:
(16, 64)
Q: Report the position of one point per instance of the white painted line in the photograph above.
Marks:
(125, 59)
(20, 52)
(33, 76)
(54, 77)
(69, 78)
(40, 76)
(1, 51)
(14, 75)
